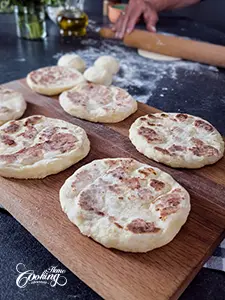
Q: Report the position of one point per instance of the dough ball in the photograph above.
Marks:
(72, 61)
(98, 75)
(109, 63)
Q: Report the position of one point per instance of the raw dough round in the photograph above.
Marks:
(98, 103)
(72, 61)
(53, 80)
(98, 75)
(109, 63)
(36, 147)
(12, 105)
(124, 204)
(157, 56)
(178, 140)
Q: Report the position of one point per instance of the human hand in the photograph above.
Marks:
(130, 17)
(149, 9)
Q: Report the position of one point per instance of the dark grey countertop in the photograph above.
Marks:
(195, 89)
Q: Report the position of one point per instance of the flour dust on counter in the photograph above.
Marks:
(138, 76)
(93, 26)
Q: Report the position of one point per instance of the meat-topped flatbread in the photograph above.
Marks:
(53, 80)
(36, 147)
(98, 103)
(124, 204)
(12, 105)
(177, 140)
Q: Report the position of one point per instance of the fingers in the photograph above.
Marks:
(116, 26)
(113, 27)
(127, 21)
(151, 18)
(133, 20)
(121, 25)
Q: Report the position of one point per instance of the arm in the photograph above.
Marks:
(149, 9)
(161, 5)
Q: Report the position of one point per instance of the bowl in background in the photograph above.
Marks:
(114, 11)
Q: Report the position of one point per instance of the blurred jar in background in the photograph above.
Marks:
(30, 21)
(106, 4)
(72, 20)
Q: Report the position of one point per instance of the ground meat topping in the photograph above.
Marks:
(168, 204)
(157, 185)
(182, 117)
(140, 226)
(7, 140)
(149, 134)
(12, 128)
(203, 125)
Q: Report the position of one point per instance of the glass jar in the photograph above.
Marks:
(73, 21)
(30, 21)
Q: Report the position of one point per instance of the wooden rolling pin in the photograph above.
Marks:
(173, 46)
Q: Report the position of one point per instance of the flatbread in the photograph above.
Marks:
(157, 56)
(53, 80)
(12, 105)
(36, 147)
(178, 140)
(98, 103)
(124, 204)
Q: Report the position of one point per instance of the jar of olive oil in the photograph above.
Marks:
(73, 20)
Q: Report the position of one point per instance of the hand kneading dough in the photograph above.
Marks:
(108, 63)
(98, 75)
(12, 105)
(37, 146)
(53, 80)
(72, 61)
(98, 103)
(124, 204)
(157, 56)
(178, 140)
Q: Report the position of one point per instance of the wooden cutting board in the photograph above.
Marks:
(161, 274)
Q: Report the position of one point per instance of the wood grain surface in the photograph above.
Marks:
(157, 275)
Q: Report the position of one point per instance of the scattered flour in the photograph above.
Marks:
(138, 75)
(20, 59)
(92, 26)
(214, 69)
